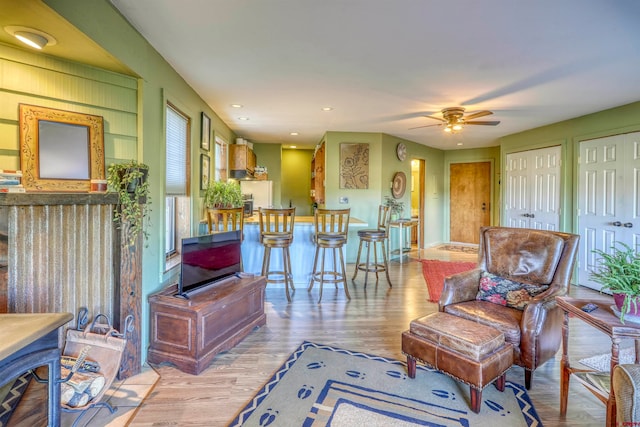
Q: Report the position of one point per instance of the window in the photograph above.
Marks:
(177, 181)
(221, 160)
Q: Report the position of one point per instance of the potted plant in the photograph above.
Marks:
(129, 180)
(223, 194)
(619, 272)
(396, 207)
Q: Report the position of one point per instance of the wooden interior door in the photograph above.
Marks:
(469, 200)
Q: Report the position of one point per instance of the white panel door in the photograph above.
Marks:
(533, 189)
(608, 198)
(517, 194)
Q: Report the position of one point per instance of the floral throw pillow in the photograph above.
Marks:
(499, 290)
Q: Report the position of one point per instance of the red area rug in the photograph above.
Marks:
(435, 271)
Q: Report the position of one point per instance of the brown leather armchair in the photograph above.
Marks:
(532, 257)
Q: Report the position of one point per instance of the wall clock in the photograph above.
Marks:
(401, 151)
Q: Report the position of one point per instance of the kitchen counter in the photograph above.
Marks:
(254, 219)
(302, 249)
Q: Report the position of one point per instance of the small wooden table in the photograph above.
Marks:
(403, 225)
(608, 323)
(28, 341)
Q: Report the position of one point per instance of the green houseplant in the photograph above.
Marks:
(223, 194)
(396, 207)
(130, 181)
(619, 272)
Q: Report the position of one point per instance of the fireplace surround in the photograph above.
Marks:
(63, 251)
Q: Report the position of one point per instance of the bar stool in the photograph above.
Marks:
(220, 220)
(225, 219)
(373, 236)
(276, 231)
(331, 231)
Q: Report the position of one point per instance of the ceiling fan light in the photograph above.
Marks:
(448, 128)
(457, 127)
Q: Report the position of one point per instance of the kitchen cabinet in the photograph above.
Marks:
(242, 161)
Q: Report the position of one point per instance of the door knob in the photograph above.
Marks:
(616, 224)
(628, 225)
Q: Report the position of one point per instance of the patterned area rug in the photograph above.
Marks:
(434, 272)
(321, 385)
(602, 362)
(10, 396)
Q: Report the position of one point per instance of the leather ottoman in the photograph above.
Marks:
(465, 350)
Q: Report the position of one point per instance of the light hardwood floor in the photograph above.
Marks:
(371, 322)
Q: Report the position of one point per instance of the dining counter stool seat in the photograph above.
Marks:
(370, 237)
(276, 232)
(331, 231)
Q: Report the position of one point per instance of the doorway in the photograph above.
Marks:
(417, 202)
(469, 200)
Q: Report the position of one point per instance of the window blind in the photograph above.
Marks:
(177, 132)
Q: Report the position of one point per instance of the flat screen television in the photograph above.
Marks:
(207, 259)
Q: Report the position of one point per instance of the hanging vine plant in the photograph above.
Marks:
(130, 181)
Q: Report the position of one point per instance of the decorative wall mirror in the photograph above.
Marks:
(60, 150)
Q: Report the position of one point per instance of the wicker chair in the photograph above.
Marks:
(626, 387)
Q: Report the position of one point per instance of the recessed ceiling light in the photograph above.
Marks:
(30, 36)
(294, 134)
(237, 105)
(243, 118)
(327, 108)
(459, 143)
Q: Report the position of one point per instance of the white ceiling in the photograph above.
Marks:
(383, 64)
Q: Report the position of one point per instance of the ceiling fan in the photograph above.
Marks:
(454, 119)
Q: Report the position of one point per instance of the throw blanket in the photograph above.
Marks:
(435, 271)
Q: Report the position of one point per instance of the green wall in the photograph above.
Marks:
(31, 78)
(383, 164)
(296, 180)
(157, 82)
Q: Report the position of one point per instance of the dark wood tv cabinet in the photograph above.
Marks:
(190, 332)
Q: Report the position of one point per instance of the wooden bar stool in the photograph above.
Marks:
(331, 231)
(220, 220)
(372, 236)
(276, 231)
(225, 219)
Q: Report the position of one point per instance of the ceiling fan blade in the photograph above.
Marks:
(485, 123)
(436, 118)
(478, 114)
(426, 126)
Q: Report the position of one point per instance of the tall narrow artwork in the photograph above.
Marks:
(354, 166)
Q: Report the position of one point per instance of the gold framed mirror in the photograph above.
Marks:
(60, 151)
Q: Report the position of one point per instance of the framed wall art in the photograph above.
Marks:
(205, 141)
(354, 165)
(60, 151)
(204, 171)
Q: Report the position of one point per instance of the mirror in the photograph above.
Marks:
(60, 151)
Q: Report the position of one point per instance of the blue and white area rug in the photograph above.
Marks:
(320, 385)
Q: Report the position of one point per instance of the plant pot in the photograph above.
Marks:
(131, 187)
(634, 309)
